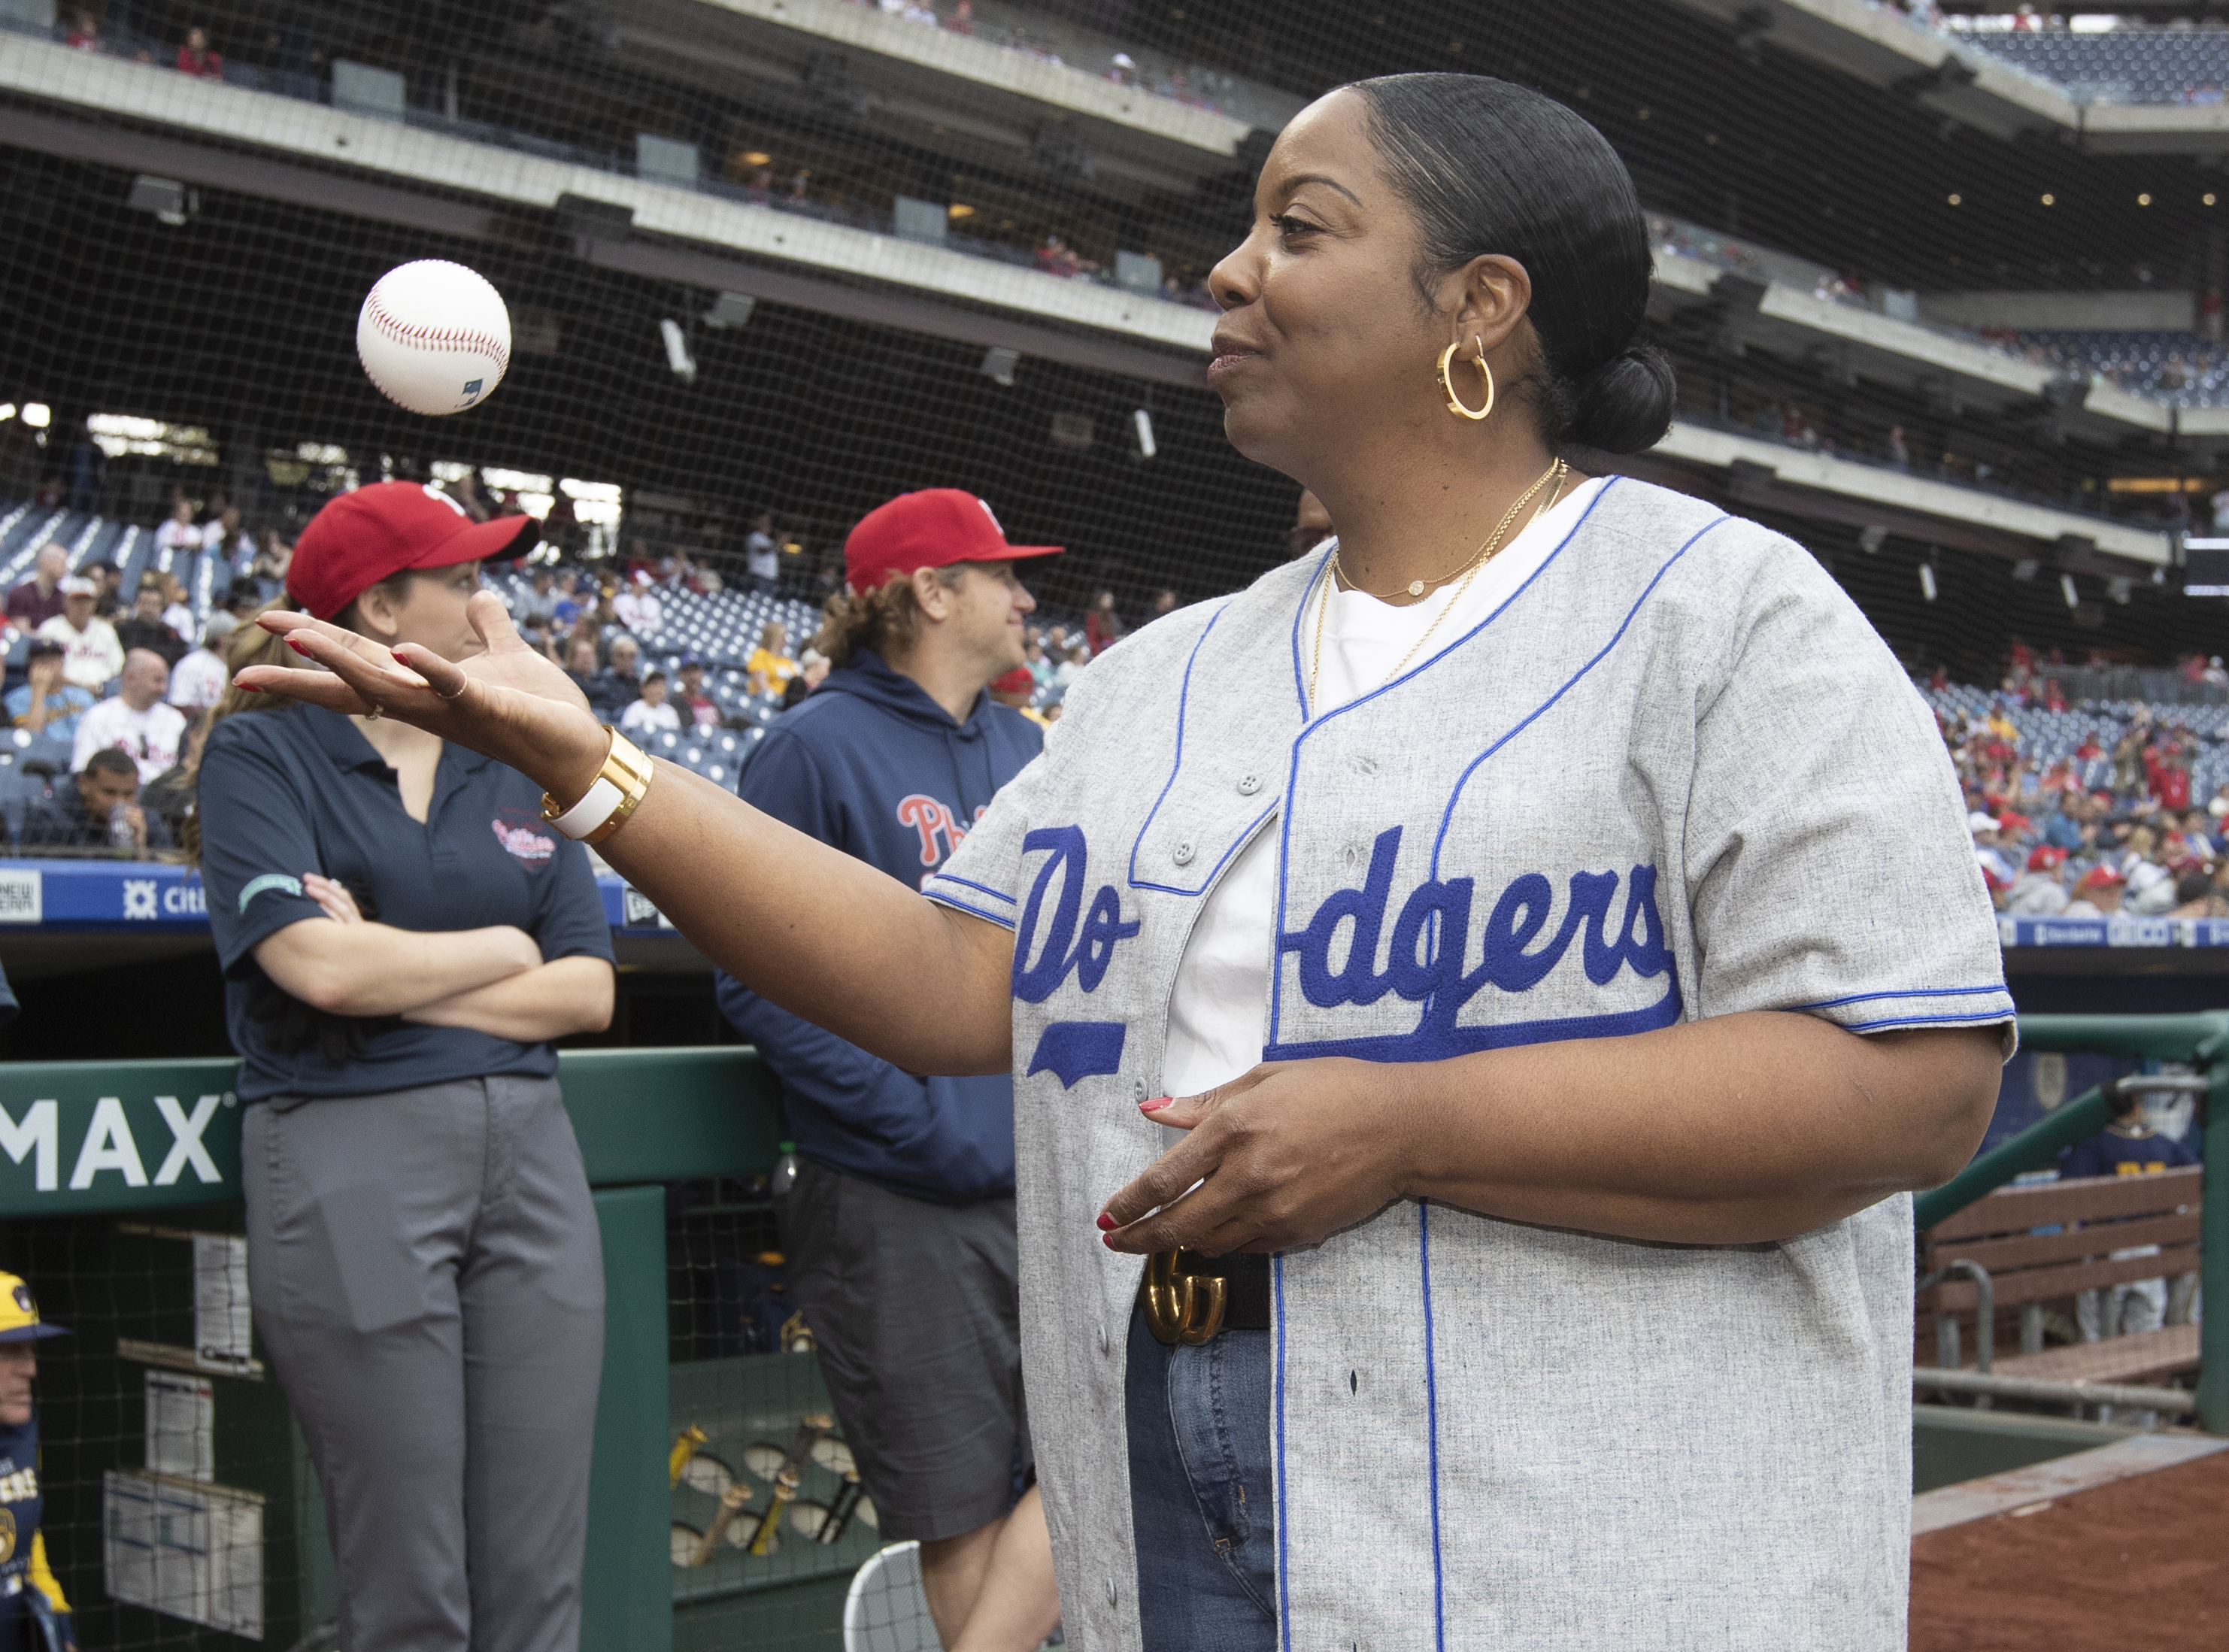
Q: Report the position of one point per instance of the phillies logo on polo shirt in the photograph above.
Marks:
(518, 832)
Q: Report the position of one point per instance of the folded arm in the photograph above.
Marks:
(548, 1001)
(378, 969)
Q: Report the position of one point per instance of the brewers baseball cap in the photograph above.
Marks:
(361, 538)
(19, 1314)
(935, 528)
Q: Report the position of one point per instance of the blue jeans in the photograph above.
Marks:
(1202, 1498)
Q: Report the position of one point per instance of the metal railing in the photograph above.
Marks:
(2201, 1040)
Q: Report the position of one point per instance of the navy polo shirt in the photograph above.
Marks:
(299, 789)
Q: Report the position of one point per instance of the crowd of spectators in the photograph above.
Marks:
(2112, 826)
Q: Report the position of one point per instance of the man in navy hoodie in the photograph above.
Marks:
(900, 1229)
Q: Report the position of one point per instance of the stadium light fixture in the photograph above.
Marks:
(730, 310)
(165, 198)
(2026, 568)
(1144, 422)
(2049, 199)
(2143, 200)
(677, 352)
(7, 411)
(1927, 581)
(1957, 200)
(2066, 590)
(999, 364)
(37, 414)
(1872, 538)
(2118, 590)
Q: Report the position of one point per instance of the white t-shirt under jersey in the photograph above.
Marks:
(1223, 985)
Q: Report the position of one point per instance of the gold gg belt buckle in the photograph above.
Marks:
(1181, 1307)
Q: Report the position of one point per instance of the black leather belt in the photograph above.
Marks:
(1188, 1298)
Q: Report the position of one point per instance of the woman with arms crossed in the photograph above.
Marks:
(1567, 1061)
(402, 937)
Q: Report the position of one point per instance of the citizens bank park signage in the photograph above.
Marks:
(125, 897)
(117, 1135)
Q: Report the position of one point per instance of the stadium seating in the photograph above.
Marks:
(2181, 369)
(2121, 65)
(2050, 735)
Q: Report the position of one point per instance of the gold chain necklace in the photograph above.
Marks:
(1485, 554)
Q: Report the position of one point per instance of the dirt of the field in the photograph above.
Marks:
(2139, 1565)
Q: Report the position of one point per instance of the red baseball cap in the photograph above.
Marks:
(2045, 858)
(1017, 681)
(361, 538)
(935, 528)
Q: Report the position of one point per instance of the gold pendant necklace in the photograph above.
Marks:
(1485, 553)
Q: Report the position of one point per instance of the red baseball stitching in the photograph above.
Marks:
(439, 338)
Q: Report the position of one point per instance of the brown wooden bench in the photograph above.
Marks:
(2028, 1269)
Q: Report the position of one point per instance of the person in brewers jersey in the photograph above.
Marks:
(900, 1231)
(34, 1616)
(1549, 903)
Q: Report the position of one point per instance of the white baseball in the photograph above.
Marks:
(434, 335)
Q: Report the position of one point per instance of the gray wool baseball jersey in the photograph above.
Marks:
(1674, 774)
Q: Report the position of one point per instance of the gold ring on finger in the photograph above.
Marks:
(377, 712)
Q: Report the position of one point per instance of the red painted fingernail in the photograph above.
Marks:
(1106, 1223)
(295, 643)
(1156, 1104)
(1107, 1240)
(246, 688)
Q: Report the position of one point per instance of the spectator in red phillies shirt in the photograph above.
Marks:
(196, 57)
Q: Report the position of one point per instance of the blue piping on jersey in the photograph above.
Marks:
(2006, 1014)
(999, 919)
(1208, 881)
(1616, 637)
(1916, 992)
(1432, 1424)
(1176, 767)
(1468, 1040)
(1293, 771)
(1284, 1560)
(969, 882)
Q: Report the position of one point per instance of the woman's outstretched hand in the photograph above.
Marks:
(509, 703)
(1283, 1157)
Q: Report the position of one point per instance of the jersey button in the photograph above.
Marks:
(1249, 786)
(1182, 853)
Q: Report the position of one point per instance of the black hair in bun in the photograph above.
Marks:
(1625, 405)
(1491, 167)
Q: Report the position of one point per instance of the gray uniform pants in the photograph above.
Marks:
(429, 1281)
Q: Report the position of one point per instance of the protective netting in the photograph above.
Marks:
(793, 257)
(891, 198)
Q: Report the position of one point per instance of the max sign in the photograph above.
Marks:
(42, 1137)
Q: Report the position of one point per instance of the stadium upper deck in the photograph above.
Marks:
(1144, 180)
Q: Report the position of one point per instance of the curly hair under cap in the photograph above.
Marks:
(883, 619)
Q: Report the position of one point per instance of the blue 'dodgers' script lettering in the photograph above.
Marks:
(1034, 982)
(1429, 950)
(1069, 1050)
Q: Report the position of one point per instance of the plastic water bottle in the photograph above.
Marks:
(785, 1171)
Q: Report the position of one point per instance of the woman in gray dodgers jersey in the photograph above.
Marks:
(1600, 1053)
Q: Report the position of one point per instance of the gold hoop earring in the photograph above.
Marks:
(1455, 402)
